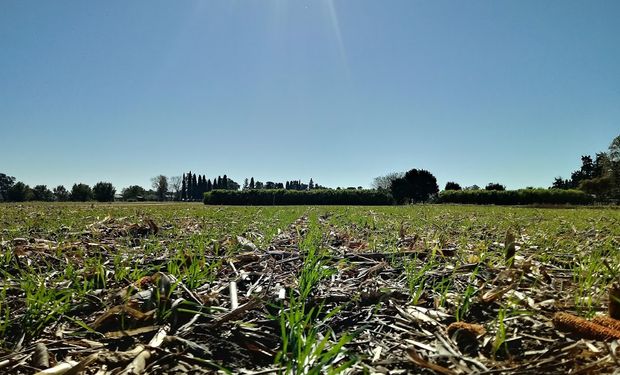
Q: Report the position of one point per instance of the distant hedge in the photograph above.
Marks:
(515, 197)
(267, 197)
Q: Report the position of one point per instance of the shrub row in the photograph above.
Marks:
(265, 197)
(515, 197)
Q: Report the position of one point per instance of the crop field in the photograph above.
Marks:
(425, 289)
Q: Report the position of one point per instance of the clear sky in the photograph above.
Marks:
(340, 91)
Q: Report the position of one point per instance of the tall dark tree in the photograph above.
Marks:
(190, 187)
(61, 194)
(400, 190)
(81, 193)
(195, 192)
(42, 193)
(184, 188)
(134, 193)
(602, 165)
(560, 183)
(586, 171)
(452, 186)
(225, 182)
(19, 192)
(232, 185)
(252, 183)
(417, 185)
(495, 186)
(6, 182)
(209, 185)
(104, 192)
(160, 185)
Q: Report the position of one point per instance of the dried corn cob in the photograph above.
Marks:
(584, 328)
(476, 329)
(607, 322)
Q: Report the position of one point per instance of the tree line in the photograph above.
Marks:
(12, 191)
(193, 186)
(298, 185)
(188, 187)
(598, 177)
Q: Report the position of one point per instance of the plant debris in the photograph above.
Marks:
(192, 289)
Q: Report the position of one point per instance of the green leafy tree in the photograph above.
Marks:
(104, 192)
(19, 192)
(190, 186)
(6, 182)
(417, 185)
(560, 183)
(613, 154)
(61, 194)
(42, 193)
(134, 193)
(452, 186)
(602, 165)
(599, 187)
(495, 186)
(160, 185)
(614, 150)
(385, 182)
(232, 185)
(195, 189)
(81, 193)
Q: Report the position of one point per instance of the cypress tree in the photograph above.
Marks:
(252, 183)
(190, 187)
(195, 191)
(224, 182)
(183, 187)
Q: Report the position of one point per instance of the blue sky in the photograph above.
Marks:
(340, 91)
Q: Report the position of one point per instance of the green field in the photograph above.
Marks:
(166, 288)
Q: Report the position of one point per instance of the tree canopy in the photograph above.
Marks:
(104, 192)
(417, 185)
(452, 186)
(6, 182)
(81, 193)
